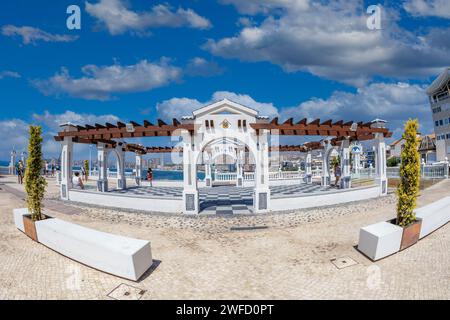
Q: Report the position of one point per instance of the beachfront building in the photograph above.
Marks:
(439, 96)
(426, 148)
(227, 133)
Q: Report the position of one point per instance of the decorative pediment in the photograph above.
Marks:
(225, 106)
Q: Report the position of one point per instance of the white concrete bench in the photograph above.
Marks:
(433, 216)
(121, 256)
(380, 240)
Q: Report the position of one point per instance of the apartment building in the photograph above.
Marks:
(439, 95)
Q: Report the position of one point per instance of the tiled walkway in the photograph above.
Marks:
(224, 199)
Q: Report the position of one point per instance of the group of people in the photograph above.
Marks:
(77, 181)
(49, 169)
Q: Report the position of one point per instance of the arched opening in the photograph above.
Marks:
(116, 168)
(225, 162)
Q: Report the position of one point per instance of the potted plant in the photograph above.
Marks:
(35, 183)
(408, 188)
(86, 170)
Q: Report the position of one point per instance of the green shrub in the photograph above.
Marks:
(86, 167)
(35, 183)
(393, 162)
(408, 188)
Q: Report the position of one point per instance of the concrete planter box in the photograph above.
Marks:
(121, 256)
(380, 240)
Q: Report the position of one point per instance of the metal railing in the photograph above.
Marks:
(427, 171)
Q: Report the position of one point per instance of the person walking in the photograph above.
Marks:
(53, 169)
(20, 171)
(337, 175)
(150, 176)
(83, 173)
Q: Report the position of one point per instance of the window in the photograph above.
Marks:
(436, 123)
(446, 121)
(441, 122)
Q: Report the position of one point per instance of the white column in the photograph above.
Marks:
(190, 192)
(138, 169)
(121, 179)
(261, 196)
(356, 162)
(345, 165)
(380, 163)
(445, 167)
(12, 163)
(208, 178)
(308, 164)
(239, 169)
(66, 167)
(102, 159)
(325, 181)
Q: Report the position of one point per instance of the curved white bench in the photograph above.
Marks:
(121, 256)
(433, 216)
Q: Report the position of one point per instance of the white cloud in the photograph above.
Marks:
(253, 7)
(32, 35)
(99, 83)
(16, 131)
(428, 8)
(50, 127)
(9, 74)
(330, 39)
(178, 107)
(203, 68)
(53, 121)
(394, 102)
(118, 19)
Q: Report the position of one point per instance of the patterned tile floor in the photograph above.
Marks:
(223, 199)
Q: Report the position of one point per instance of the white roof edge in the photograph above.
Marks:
(224, 101)
(442, 79)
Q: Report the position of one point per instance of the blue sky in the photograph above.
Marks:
(135, 60)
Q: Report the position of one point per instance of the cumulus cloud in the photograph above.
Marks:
(330, 39)
(253, 7)
(50, 123)
(9, 74)
(394, 102)
(118, 18)
(16, 131)
(178, 107)
(31, 35)
(203, 68)
(428, 8)
(53, 121)
(99, 83)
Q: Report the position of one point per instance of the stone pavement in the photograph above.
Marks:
(300, 255)
(224, 199)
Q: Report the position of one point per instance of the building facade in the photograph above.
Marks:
(439, 95)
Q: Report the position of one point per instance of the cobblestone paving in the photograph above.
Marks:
(200, 258)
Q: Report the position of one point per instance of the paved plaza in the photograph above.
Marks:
(306, 254)
(225, 199)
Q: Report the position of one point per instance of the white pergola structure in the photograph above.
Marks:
(229, 122)
(229, 128)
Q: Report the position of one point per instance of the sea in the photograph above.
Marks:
(161, 174)
(157, 174)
